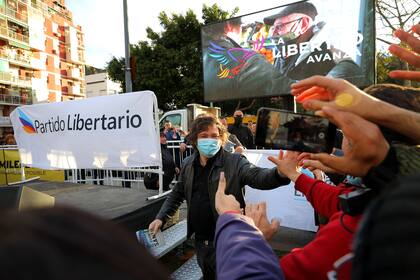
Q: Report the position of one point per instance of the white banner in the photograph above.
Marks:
(116, 131)
(283, 203)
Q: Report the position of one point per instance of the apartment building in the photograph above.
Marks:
(100, 84)
(41, 56)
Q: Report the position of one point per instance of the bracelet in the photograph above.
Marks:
(232, 212)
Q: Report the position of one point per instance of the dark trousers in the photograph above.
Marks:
(206, 258)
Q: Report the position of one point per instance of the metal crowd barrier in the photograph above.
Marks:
(132, 179)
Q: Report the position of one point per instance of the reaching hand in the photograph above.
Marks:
(225, 202)
(258, 213)
(369, 147)
(313, 165)
(412, 57)
(318, 91)
(287, 164)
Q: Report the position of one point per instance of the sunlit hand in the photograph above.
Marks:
(313, 165)
(318, 91)
(412, 57)
(287, 164)
(258, 213)
(225, 202)
(369, 147)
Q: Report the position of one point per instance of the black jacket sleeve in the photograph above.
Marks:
(260, 178)
(173, 201)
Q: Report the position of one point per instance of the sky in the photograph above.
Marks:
(102, 20)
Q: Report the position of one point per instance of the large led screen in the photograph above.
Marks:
(262, 54)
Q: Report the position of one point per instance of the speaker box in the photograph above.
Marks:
(21, 197)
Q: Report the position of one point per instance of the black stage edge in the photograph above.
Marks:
(128, 207)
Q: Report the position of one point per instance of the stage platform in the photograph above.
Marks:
(128, 207)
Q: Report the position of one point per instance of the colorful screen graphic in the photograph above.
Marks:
(262, 54)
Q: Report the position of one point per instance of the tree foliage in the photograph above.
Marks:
(169, 62)
(89, 70)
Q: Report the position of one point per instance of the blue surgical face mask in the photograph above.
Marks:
(208, 147)
(355, 181)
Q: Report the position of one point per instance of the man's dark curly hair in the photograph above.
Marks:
(202, 123)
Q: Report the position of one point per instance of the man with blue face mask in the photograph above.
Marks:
(198, 183)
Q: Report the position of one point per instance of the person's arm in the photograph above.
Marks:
(173, 201)
(260, 178)
(316, 259)
(401, 161)
(398, 119)
(242, 252)
(369, 147)
(318, 92)
(323, 197)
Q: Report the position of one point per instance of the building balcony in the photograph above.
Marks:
(75, 57)
(15, 99)
(74, 73)
(72, 90)
(20, 15)
(5, 122)
(4, 32)
(38, 64)
(39, 5)
(10, 34)
(8, 78)
(15, 58)
(18, 37)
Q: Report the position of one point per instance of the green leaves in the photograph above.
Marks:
(169, 63)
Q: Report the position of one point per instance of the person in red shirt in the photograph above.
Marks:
(333, 241)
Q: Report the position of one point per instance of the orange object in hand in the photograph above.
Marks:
(314, 92)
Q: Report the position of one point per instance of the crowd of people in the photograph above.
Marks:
(378, 150)
(370, 230)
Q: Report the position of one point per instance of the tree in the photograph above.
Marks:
(89, 70)
(393, 15)
(170, 62)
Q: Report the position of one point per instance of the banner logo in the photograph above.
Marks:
(27, 124)
(77, 122)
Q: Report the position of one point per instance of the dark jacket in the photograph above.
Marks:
(151, 180)
(244, 134)
(238, 173)
(242, 252)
